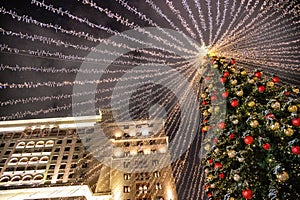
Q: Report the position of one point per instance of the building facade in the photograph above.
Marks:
(85, 158)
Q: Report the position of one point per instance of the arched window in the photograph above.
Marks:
(38, 177)
(4, 179)
(13, 161)
(23, 160)
(27, 178)
(34, 159)
(30, 144)
(20, 145)
(15, 178)
(49, 143)
(40, 144)
(44, 159)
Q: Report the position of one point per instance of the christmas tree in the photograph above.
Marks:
(252, 150)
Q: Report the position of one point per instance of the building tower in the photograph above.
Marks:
(82, 158)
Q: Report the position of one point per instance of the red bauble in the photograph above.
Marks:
(215, 140)
(209, 194)
(248, 139)
(204, 103)
(214, 97)
(257, 74)
(270, 116)
(218, 165)
(266, 146)
(261, 89)
(221, 125)
(275, 79)
(232, 61)
(296, 121)
(296, 150)
(234, 103)
(205, 121)
(223, 79)
(247, 194)
(231, 136)
(222, 175)
(287, 93)
(226, 74)
(210, 160)
(225, 94)
(207, 78)
(207, 187)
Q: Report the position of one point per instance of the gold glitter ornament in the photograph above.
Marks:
(275, 126)
(207, 147)
(236, 177)
(292, 108)
(276, 105)
(254, 123)
(251, 81)
(270, 84)
(231, 198)
(296, 90)
(282, 177)
(251, 104)
(205, 113)
(243, 72)
(236, 121)
(289, 131)
(233, 82)
(231, 153)
(203, 95)
(240, 93)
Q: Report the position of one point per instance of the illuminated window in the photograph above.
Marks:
(38, 177)
(126, 164)
(127, 189)
(156, 174)
(49, 143)
(15, 178)
(153, 151)
(40, 144)
(34, 159)
(4, 179)
(158, 186)
(30, 144)
(27, 178)
(142, 188)
(23, 160)
(127, 153)
(127, 176)
(44, 159)
(13, 161)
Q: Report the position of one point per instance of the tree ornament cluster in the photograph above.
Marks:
(252, 150)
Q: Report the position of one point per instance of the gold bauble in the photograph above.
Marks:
(276, 105)
(275, 126)
(284, 176)
(270, 84)
(233, 82)
(254, 123)
(209, 177)
(215, 66)
(205, 128)
(292, 108)
(251, 81)
(251, 104)
(296, 90)
(240, 93)
(213, 185)
(217, 109)
(206, 170)
(209, 110)
(236, 177)
(288, 131)
(207, 147)
(231, 198)
(243, 73)
(217, 150)
(205, 113)
(236, 121)
(203, 95)
(231, 153)
(232, 69)
(241, 159)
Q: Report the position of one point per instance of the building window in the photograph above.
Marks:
(57, 150)
(65, 157)
(126, 164)
(23, 160)
(154, 162)
(11, 144)
(156, 174)
(54, 157)
(16, 179)
(152, 142)
(126, 144)
(40, 144)
(63, 166)
(13, 161)
(127, 189)
(49, 143)
(67, 148)
(142, 188)
(75, 156)
(141, 152)
(159, 198)
(4, 179)
(44, 159)
(153, 151)
(127, 176)
(30, 144)
(158, 186)
(34, 159)
(127, 153)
